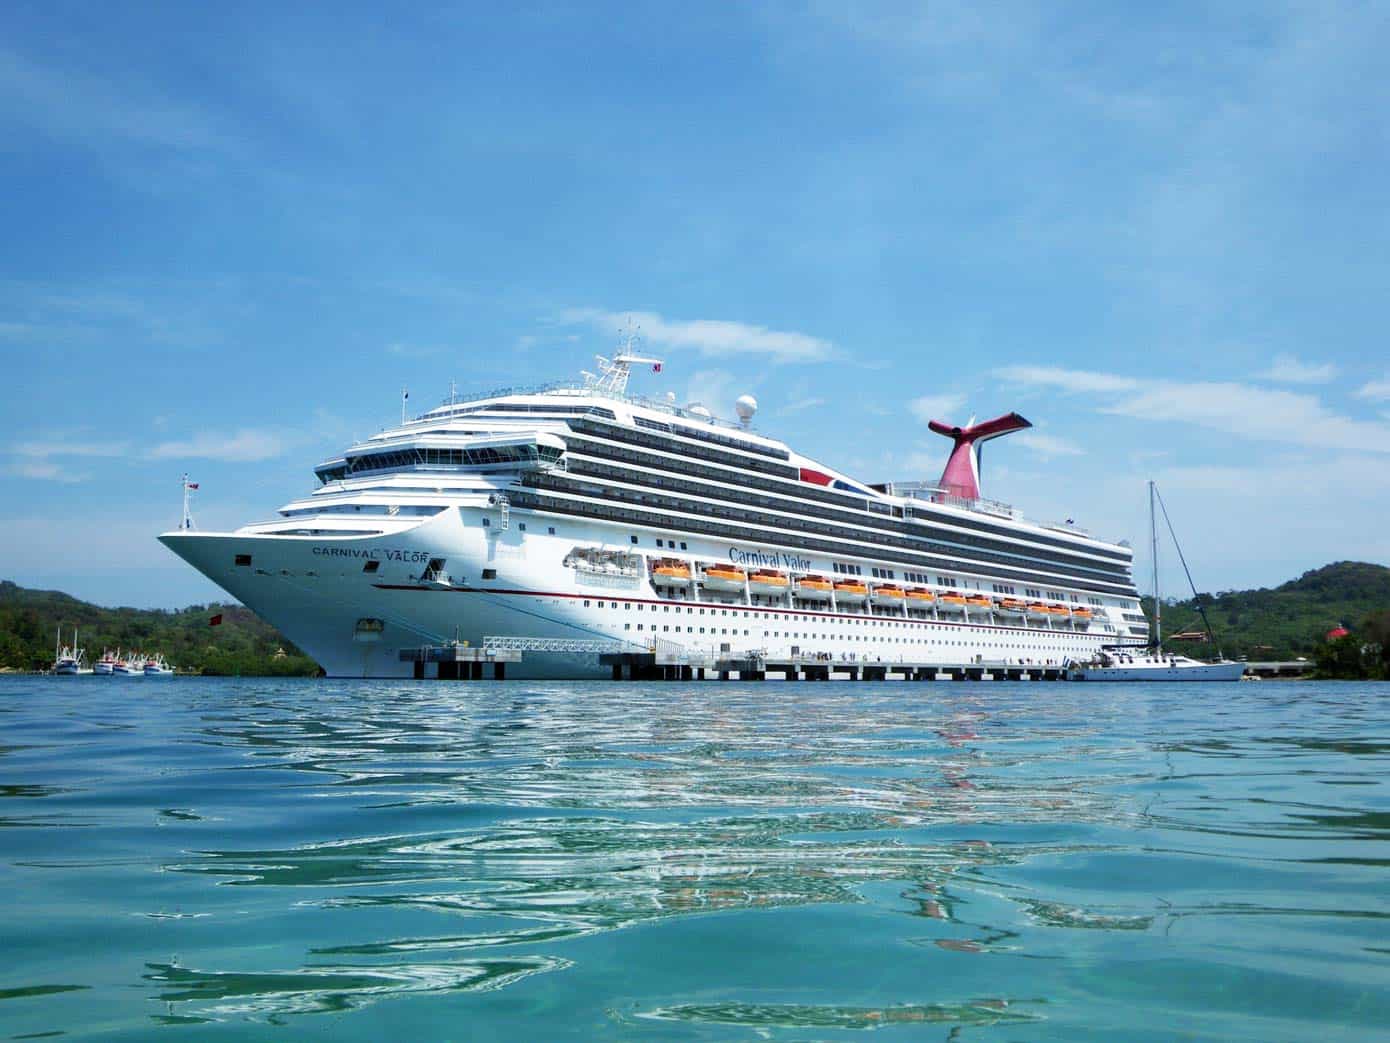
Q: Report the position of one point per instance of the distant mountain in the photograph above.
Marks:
(1286, 621)
(241, 644)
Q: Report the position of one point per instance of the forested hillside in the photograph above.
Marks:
(1289, 620)
(241, 644)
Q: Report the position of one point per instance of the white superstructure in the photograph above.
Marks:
(575, 519)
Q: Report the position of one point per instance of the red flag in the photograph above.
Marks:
(215, 621)
(656, 367)
(193, 485)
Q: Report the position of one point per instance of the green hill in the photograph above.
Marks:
(241, 644)
(1286, 621)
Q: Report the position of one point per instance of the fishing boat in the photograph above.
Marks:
(106, 665)
(68, 659)
(155, 666)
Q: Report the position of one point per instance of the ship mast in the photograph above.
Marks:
(1153, 539)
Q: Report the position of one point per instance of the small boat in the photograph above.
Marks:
(1059, 613)
(889, 594)
(812, 588)
(723, 577)
(155, 666)
(850, 592)
(1082, 617)
(67, 660)
(131, 666)
(670, 572)
(1011, 607)
(768, 582)
(1118, 665)
(1037, 610)
(919, 597)
(106, 665)
(978, 601)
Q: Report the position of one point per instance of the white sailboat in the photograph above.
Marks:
(1151, 662)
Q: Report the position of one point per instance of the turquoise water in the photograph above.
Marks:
(261, 859)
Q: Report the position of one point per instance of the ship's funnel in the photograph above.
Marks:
(962, 474)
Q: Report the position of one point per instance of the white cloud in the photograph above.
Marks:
(714, 389)
(1292, 418)
(715, 337)
(1288, 370)
(936, 407)
(43, 450)
(246, 445)
(1375, 390)
(45, 472)
(800, 406)
(1079, 380)
(1046, 446)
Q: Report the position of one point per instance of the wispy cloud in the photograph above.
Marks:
(714, 337)
(1079, 380)
(244, 446)
(1288, 370)
(1375, 390)
(936, 407)
(44, 450)
(1047, 446)
(800, 406)
(45, 471)
(1292, 418)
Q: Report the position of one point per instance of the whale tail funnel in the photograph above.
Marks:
(962, 474)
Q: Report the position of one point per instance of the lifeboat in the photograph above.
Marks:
(979, 601)
(1037, 610)
(919, 597)
(850, 592)
(889, 594)
(768, 582)
(1059, 612)
(670, 572)
(952, 602)
(1010, 607)
(813, 588)
(723, 577)
(1082, 616)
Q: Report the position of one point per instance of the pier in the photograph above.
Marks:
(659, 666)
(460, 662)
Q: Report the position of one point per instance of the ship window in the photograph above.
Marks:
(659, 543)
(682, 544)
(371, 566)
(244, 560)
(522, 526)
(489, 573)
(552, 530)
(487, 523)
(633, 538)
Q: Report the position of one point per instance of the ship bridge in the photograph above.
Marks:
(477, 453)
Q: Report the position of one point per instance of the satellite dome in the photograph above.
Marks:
(671, 397)
(745, 407)
(698, 410)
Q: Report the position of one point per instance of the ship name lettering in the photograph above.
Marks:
(373, 553)
(768, 558)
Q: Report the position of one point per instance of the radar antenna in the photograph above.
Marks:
(613, 373)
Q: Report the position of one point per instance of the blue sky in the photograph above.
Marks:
(1158, 231)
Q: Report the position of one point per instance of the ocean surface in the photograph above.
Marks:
(267, 859)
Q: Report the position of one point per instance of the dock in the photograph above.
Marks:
(460, 662)
(658, 666)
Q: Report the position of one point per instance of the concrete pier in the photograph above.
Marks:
(460, 662)
(659, 666)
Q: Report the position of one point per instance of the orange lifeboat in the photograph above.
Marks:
(768, 582)
(813, 588)
(952, 601)
(723, 577)
(670, 572)
(850, 591)
(888, 594)
(1037, 610)
(978, 601)
(1010, 607)
(920, 596)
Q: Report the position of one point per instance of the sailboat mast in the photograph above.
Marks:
(1153, 540)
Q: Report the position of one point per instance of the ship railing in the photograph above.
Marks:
(580, 390)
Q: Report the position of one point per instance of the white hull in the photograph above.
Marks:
(314, 590)
(1181, 672)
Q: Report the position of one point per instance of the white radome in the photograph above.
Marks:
(745, 407)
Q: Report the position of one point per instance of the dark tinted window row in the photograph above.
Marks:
(716, 437)
(650, 512)
(913, 534)
(631, 436)
(518, 409)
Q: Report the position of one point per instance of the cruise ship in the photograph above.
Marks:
(573, 519)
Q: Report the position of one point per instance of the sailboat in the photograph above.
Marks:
(1150, 662)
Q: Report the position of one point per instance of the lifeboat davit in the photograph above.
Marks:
(723, 577)
(850, 592)
(952, 602)
(768, 582)
(812, 588)
(888, 594)
(670, 572)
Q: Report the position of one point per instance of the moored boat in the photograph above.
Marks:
(106, 665)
